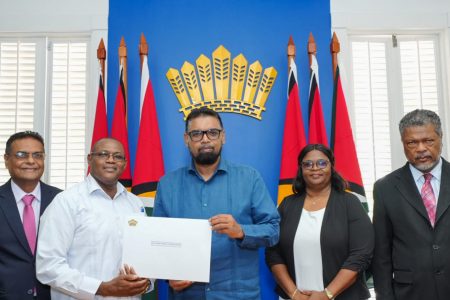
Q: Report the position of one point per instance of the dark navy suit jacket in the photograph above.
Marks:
(411, 259)
(17, 263)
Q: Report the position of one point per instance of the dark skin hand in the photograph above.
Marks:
(179, 285)
(226, 224)
(316, 295)
(128, 283)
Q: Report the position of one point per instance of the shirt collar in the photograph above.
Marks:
(19, 193)
(436, 172)
(222, 167)
(93, 186)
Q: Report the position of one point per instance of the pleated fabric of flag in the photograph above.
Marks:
(149, 162)
(317, 132)
(293, 138)
(343, 144)
(119, 128)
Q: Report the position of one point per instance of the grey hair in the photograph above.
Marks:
(420, 117)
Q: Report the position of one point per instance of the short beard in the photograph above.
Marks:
(425, 168)
(206, 159)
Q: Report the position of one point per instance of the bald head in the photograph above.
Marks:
(107, 141)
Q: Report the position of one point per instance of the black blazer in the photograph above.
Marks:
(17, 263)
(346, 240)
(411, 258)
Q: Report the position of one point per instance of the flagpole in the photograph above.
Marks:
(291, 51)
(123, 62)
(101, 56)
(335, 48)
(312, 47)
(143, 49)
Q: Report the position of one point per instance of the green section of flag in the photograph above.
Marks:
(153, 295)
(149, 211)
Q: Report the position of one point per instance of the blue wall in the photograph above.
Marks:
(179, 31)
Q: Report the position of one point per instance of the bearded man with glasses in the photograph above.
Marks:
(233, 197)
(80, 246)
(23, 199)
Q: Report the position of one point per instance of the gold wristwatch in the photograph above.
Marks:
(328, 293)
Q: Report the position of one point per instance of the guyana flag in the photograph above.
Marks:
(343, 145)
(293, 138)
(317, 131)
(119, 129)
(149, 163)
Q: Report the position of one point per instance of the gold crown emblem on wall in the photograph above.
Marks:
(209, 84)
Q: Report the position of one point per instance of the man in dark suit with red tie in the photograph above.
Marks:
(22, 200)
(412, 217)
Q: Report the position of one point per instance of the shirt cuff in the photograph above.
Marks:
(89, 287)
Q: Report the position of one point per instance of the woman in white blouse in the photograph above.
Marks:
(326, 238)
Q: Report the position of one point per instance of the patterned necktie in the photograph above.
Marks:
(29, 221)
(428, 198)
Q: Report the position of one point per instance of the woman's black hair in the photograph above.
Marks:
(337, 182)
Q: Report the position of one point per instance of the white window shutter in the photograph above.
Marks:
(371, 105)
(17, 91)
(68, 113)
(418, 69)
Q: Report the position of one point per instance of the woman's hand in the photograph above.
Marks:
(316, 295)
(300, 296)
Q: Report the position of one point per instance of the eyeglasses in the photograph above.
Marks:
(412, 144)
(320, 164)
(25, 155)
(105, 155)
(197, 135)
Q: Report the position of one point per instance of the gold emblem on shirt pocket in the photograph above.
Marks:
(132, 222)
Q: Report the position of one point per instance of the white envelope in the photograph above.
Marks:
(168, 248)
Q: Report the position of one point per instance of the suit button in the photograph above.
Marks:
(30, 291)
(435, 247)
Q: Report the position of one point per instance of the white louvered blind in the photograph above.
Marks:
(68, 114)
(419, 80)
(377, 67)
(371, 105)
(27, 68)
(17, 91)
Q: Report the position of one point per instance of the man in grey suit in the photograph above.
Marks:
(412, 217)
(19, 218)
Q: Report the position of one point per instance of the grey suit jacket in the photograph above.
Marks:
(17, 263)
(411, 258)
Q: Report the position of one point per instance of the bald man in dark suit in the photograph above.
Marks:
(412, 217)
(24, 159)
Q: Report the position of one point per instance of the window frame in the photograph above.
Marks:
(394, 82)
(43, 83)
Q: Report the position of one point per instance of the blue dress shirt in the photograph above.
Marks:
(233, 189)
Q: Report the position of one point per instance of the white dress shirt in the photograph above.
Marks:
(80, 239)
(36, 204)
(435, 180)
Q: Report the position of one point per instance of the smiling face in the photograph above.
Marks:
(316, 178)
(422, 146)
(205, 151)
(106, 170)
(25, 171)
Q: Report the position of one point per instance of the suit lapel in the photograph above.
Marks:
(9, 207)
(46, 197)
(408, 189)
(444, 191)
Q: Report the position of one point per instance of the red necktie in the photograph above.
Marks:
(428, 198)
(29, 221)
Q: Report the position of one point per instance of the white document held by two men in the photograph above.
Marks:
(168, 248)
